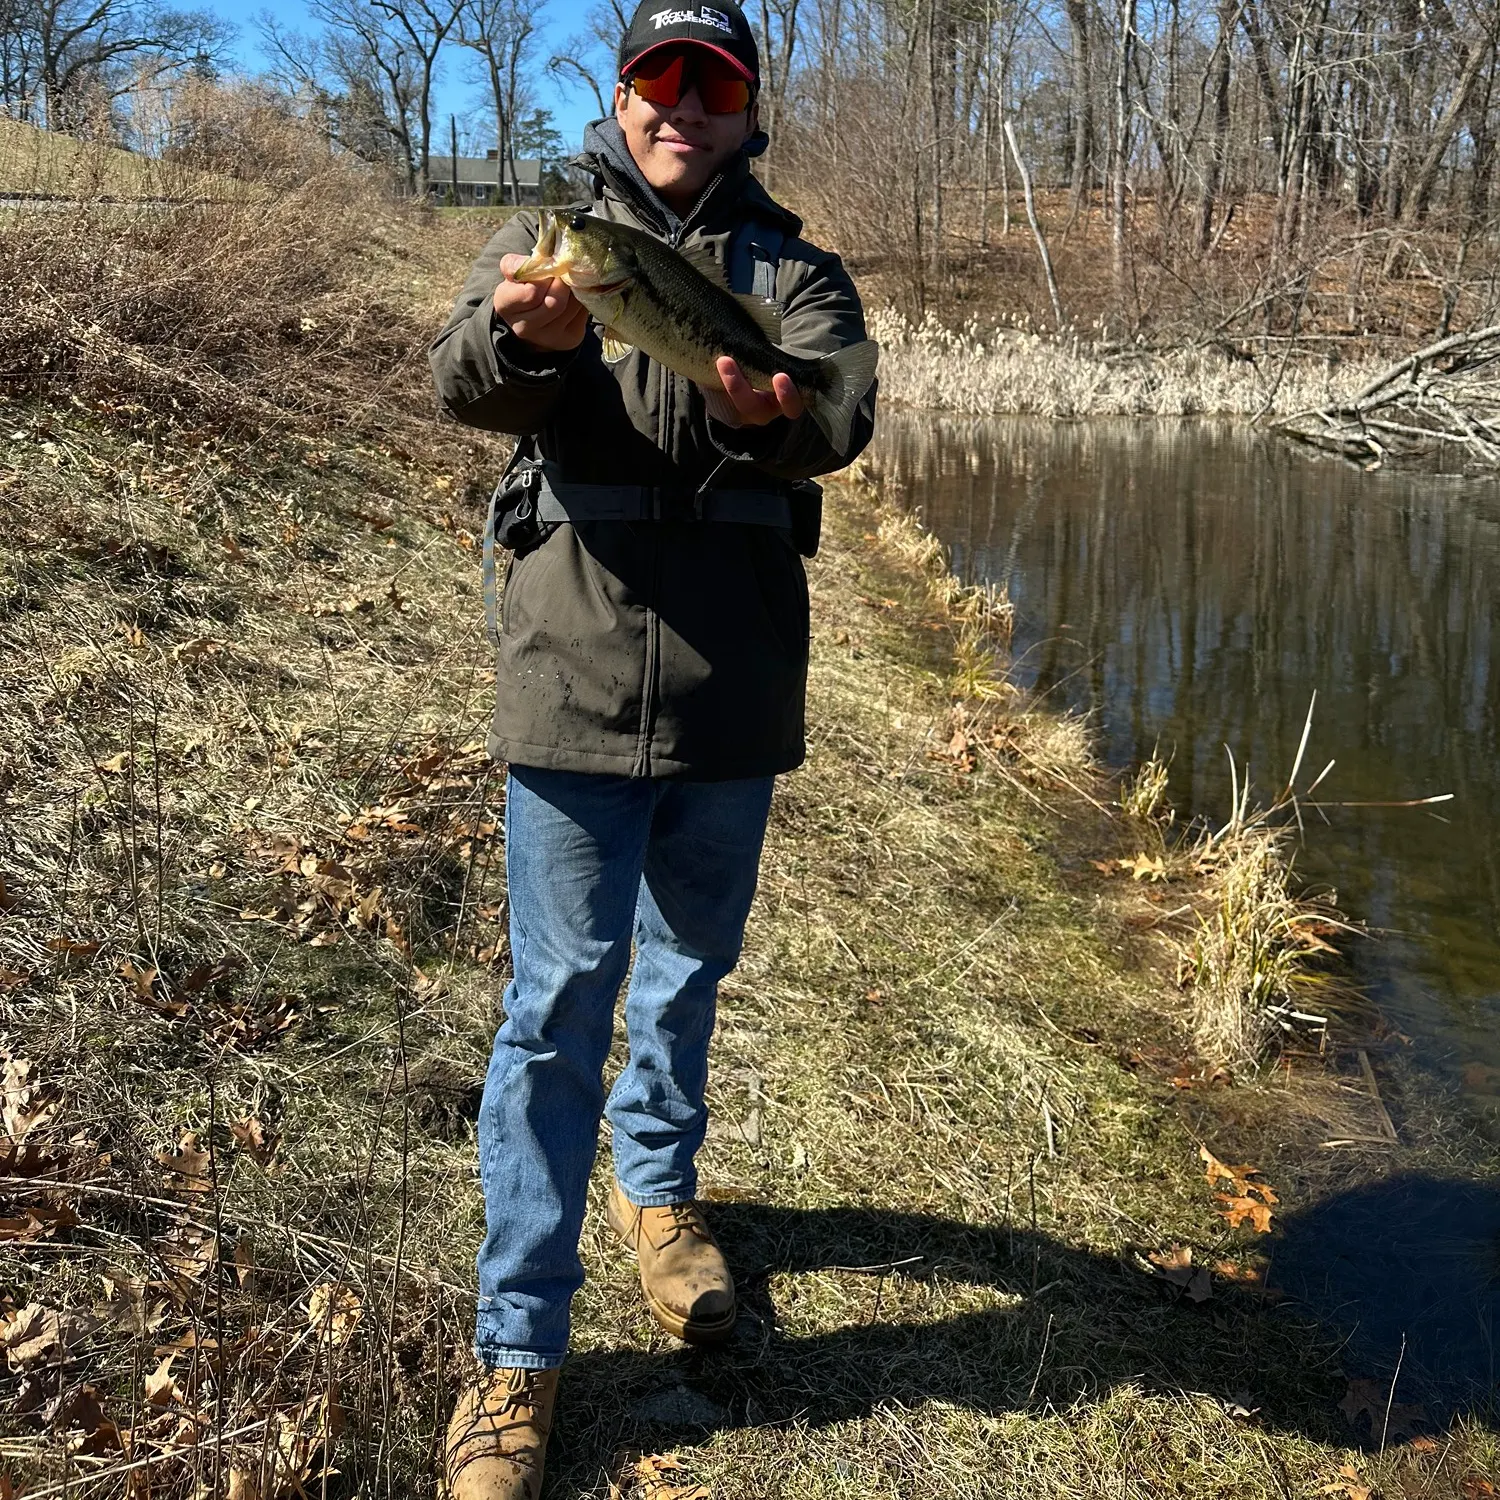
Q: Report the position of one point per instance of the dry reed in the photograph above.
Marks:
(977, 370)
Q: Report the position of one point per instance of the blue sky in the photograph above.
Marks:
(571, 109)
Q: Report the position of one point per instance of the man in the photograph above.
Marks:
(651, 673)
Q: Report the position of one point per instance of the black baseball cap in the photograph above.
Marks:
(721, 27)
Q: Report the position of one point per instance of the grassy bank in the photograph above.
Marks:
(252, 943)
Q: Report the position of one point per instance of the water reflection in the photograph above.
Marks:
(1194, 582)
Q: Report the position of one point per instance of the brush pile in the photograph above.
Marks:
(1440, 403)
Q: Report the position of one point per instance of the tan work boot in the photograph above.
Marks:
(687, 1285)
(497, 1439)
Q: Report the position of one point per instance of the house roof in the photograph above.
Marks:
(482, 169)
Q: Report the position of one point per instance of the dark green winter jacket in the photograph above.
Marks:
(672, 648)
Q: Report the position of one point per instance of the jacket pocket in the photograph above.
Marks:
(783, 590)
(507, 595)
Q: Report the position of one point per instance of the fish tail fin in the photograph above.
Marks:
(847, 374)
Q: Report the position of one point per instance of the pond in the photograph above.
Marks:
(1192, 584)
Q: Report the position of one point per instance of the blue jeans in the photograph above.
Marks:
(589, 860)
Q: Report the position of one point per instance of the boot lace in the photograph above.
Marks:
(521, 1393)
(688, 1216)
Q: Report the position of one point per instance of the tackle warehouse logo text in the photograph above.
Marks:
(703, 16)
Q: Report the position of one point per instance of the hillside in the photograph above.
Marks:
(252, 944)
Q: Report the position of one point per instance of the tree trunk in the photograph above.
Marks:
(1213, 176)
(1480, 48)
(1081, 168)
(1121, 150)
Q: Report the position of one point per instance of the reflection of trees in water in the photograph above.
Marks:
(1197, 581)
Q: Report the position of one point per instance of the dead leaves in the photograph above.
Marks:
(161, 1388)
(1142, 866)
(1348, 1486)
(38, 1335)
(1248, 1202)
(198, 996)
(25, 1104)
(1371, 1405)
(190, 1165)
(1175, 1266)
(436, 810)
(37, 1221)
(257, 1139)
(333, 1312)
(657, 1476)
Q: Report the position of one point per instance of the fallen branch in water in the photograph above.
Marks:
(1441, 399)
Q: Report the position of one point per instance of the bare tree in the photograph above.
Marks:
(504, 35)
(59, 58)
(358, 74)
(591, 56)
(423, 25)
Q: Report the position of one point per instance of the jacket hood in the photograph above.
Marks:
(607, 159)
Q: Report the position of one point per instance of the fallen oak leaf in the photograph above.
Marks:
(1238, 1177)
(38, 1334)
(1175, 1266)
(81, 1410)
(38, 1222)
(334, 1311)
(161, 1389)
(71, 950)
(258, 1139)
(244, 1263)
(25, 1105)
(1240, 1210)
(1388, 1419)
(189, 1162)
(1348, 1486)
(657, 1475)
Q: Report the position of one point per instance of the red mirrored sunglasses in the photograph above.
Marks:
(664, 77)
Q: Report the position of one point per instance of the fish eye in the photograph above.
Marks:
(578, 222)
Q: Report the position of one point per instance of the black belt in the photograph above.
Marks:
(560, 503)
(548, 501)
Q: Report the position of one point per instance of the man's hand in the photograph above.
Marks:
(756, 408)
(544, 315)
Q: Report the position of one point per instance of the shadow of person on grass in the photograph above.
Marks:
(1414, 1255)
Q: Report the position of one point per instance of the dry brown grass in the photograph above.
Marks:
(270, 309)
(975, 369)
(243, 677)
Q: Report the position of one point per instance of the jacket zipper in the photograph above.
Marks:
(668, 380)
(653, 617)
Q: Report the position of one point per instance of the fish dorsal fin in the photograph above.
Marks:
(616, 345)
(701, 258)
(765, 311)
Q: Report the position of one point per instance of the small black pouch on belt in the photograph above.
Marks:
(512, 523)
(517, 525)
(807, 516)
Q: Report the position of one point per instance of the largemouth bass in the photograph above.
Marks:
(675, 307)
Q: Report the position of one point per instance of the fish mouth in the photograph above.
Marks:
(545, 261)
